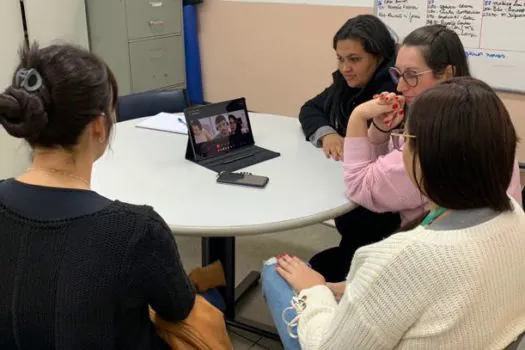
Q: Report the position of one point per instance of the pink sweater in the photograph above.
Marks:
(375, 178)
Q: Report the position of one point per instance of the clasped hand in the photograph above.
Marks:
(387, 110)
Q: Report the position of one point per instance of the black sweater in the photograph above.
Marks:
(316, 112)
(77, 271)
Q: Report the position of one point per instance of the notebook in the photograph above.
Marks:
(170, 122)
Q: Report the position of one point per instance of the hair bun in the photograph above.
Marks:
(22, 114)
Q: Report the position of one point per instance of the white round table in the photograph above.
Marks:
(146, 166)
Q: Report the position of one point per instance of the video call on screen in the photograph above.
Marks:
(220, 128)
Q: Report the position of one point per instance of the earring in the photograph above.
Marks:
(101, 140)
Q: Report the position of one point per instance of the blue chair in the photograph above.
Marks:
(145, 104)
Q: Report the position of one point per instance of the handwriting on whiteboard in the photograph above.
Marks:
(400, 9)
(506, 9)
(471, 53)
(492, 32)
(483, 24)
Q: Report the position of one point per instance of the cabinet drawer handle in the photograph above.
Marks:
(156, 23)
(156, 3)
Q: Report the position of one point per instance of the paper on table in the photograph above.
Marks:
(165, 122)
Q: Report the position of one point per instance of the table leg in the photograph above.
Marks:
(223, 249)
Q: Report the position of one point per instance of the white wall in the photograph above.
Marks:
(14, 156)
(50, 21)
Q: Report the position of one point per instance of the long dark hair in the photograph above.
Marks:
(376, 39)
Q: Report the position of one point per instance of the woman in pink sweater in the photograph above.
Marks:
(373, 170)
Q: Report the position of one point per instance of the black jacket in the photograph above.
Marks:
(318, 112)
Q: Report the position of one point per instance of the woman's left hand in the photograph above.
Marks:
(298, 274)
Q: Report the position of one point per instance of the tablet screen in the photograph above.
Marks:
(219, 128)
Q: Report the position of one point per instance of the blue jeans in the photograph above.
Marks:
(278, 295)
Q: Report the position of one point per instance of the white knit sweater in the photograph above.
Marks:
(427, 289)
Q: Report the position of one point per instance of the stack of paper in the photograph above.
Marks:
(171, 122)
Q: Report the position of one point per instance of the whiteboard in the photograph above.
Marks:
(492, 31)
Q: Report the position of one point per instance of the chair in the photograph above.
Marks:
(145, 104)
(518, 344)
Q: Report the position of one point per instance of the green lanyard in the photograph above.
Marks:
(433, 215)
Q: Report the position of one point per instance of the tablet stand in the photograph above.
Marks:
(190, 154)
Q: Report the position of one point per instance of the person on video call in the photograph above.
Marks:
(235, 130)
(221, 124)
(235, 125)
(199, 133)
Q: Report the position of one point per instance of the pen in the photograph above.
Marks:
(182, 121)
(238, 158)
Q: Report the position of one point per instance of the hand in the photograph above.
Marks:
(298, 274)
(338, 289)
(333, 146)
(389, 122)
(386, 109)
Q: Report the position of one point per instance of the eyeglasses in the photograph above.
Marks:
(399, 138)
(410, 77)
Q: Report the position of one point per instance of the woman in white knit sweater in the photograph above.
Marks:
(456, 281)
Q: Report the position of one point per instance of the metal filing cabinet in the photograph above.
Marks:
(141, 40)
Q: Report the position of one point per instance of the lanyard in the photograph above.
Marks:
(433, 215)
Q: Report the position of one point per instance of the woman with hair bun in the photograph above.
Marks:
(78, 270)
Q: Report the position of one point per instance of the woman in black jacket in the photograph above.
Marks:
(365, 50)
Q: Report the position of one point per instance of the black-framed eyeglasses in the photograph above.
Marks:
(410, 77)
(399, 138)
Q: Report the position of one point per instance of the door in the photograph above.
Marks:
(56, 21)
